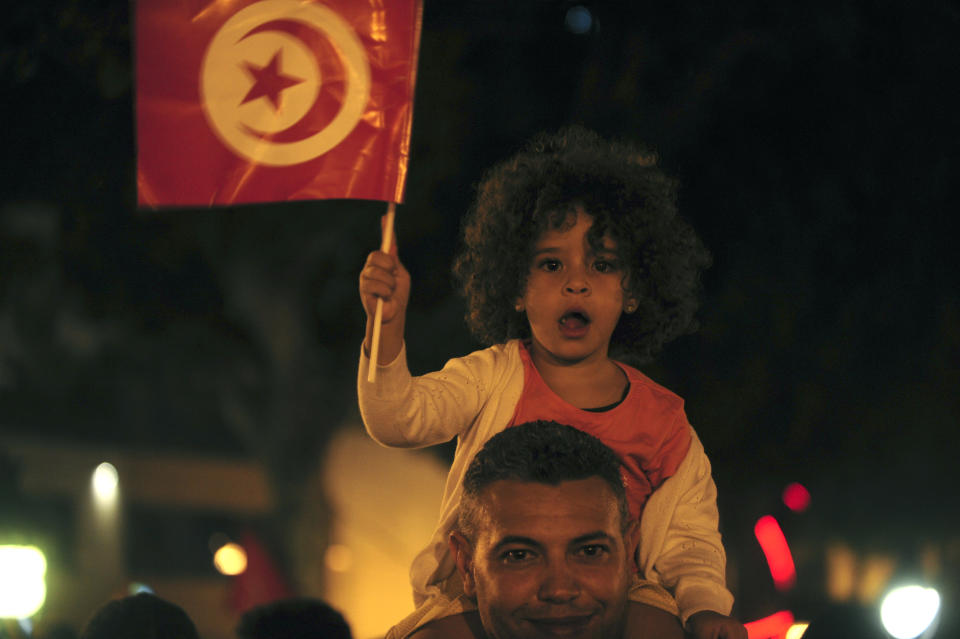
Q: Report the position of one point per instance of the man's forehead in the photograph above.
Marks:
(549, 512)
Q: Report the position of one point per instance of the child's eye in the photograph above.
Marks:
(550, 265)
(605, 266)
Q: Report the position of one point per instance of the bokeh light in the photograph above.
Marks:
(908, 611)
(136, 587)
(796, 497)
(23, 588)
(339, 558)
(777, 552)
(578, 20)
(230, 559)
(841, 572)
(105, 481)
(776, 625)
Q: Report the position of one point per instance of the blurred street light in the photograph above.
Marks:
(230, 559)
(104, 482)
(909, 611)
(23, 588)
(775, 549)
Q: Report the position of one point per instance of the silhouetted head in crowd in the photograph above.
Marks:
(140, 616)
(293, 618)
(59, 631)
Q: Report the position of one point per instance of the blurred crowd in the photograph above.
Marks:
(147, 616)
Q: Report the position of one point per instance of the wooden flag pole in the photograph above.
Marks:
(378, 316)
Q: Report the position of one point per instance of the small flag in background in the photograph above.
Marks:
(261, 582)
(275, 100)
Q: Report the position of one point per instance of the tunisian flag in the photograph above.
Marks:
(274, 100)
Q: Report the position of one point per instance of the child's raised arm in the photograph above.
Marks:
(384, 277)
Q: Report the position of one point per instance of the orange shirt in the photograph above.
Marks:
(648, 430)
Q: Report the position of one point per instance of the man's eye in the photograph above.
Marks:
(594, 551)
(517, 556)
(550, 265)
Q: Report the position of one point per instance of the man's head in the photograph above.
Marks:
(544, 540)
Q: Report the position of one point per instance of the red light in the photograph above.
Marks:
(773, 627)
(796, 497)
(777, 552)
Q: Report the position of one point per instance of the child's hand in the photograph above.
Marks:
(384, 277)
(707, 624)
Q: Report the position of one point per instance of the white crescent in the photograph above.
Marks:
(224, 83)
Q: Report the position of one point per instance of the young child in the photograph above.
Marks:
(574, 260)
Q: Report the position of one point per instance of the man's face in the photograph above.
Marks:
(548, 561)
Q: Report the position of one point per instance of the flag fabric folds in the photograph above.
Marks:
(273, 100)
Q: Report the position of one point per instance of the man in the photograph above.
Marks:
(545, 543)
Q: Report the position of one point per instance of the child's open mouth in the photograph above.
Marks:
(574, 323)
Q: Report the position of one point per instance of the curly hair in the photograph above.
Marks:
(629, 198)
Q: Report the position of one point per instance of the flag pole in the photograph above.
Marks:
(378, 316)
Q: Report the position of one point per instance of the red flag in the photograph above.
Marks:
(261, 582)
(241, 101)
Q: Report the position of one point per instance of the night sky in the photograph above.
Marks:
(816, 148)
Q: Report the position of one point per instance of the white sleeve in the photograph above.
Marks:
(680, 541)
(403, 411)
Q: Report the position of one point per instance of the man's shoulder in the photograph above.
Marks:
(463, 626)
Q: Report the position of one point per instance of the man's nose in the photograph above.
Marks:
(559, 584)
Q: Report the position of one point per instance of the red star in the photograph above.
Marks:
(269, 81)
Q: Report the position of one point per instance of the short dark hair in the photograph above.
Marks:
(629, 198)
(140, 616)
(543, 452)
(293, 618)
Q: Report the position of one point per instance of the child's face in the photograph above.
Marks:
(574, 295)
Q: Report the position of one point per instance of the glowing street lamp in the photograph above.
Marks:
(23, 588)
(230, 559)
(909, 611)
(105, 481)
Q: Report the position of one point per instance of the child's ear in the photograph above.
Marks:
(462, 551)
(629, 305)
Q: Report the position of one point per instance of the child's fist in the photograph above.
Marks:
(707, 624)
(384, 277)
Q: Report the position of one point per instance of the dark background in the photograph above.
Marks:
(816, 145)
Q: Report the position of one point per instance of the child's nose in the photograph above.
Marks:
(577, 283)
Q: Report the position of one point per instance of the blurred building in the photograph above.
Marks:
(169, 512)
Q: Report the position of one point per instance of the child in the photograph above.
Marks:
(573, 255)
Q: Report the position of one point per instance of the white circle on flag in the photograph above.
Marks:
(225, 81)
